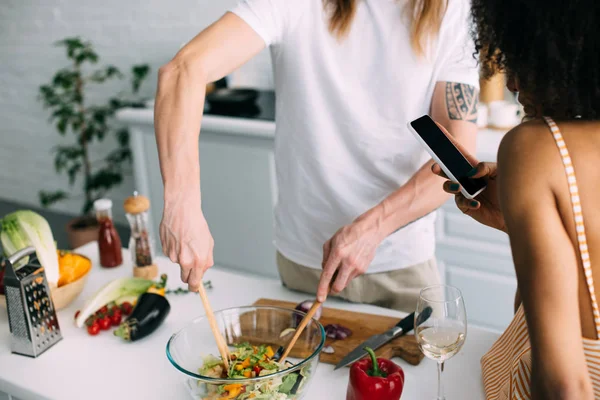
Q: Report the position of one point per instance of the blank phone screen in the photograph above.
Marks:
(448, 154)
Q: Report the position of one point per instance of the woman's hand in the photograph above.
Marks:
(186, 239)
(349, 253)
(485, 208)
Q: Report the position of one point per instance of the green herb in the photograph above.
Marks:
(207, 285)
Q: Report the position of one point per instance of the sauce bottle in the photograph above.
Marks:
(109, 242)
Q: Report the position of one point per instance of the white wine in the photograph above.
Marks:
(440, 343)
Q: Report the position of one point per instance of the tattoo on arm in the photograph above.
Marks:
(461, 100)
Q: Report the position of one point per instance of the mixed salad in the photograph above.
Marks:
(249, 361)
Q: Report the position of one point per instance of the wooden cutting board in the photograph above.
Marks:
(363, 326)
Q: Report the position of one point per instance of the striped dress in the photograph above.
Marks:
(506, 367)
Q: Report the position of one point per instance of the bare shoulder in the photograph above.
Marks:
(527, 161)
(529, 147)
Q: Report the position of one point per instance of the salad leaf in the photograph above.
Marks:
(24, 228)
(288, 383)
(211, 361)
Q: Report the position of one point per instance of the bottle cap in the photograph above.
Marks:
(102, 204)
(136, 204)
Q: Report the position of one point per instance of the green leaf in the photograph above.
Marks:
(66, 155)
(123, 137)
(65, 79)
(77, 122)
(49, 198)
(87, 207)
(112, 71)
(86, 54)
(119, 156)
(288, 383)
(139, 72)
(72, 172)
(72, 45)
(104, 74)
(61, 126)
(49, 96)
(104, 179)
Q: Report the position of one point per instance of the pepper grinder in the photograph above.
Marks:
(141, 245)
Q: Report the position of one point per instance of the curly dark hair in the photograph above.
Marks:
(552, 48)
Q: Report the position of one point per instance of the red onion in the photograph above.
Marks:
(338, 332)
(304, 307)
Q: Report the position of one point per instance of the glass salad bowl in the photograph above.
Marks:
(254, 334)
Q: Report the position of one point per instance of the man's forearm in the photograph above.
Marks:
(420, 196)
(177, 117)
(454, 106)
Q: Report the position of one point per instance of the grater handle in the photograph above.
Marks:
(27, 251)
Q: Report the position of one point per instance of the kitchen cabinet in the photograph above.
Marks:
(239, 192)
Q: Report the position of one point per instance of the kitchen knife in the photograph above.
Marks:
(376, 341)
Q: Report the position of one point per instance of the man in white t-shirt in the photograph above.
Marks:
(356, 194)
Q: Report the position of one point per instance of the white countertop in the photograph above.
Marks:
(488, 140)
(105, 367)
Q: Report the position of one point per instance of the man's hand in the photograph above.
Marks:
(186, 239)
(350, 252)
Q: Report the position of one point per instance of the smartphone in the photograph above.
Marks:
(444, 152)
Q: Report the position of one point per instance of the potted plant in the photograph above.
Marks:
(67, 98)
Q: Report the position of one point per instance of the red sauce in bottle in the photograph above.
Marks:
(109, 242)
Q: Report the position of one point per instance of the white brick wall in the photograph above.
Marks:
(124, 32)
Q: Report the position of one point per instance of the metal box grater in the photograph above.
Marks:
(31, 314)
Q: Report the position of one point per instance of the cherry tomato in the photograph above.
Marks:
(103, 310)
(91, 320)
(115, 319)
(127, 308)
(257, 369)
(104, 323)
(93, 329)
(77, 314)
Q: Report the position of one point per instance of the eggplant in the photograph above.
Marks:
(149, 312)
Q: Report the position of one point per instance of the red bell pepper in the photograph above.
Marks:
(375, 379)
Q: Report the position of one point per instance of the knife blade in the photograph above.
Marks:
(376, 341)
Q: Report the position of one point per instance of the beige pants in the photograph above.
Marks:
(398, 289)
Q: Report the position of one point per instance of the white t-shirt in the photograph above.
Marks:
(342, 109)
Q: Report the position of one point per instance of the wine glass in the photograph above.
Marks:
(440, 325)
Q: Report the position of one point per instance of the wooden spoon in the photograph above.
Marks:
(221, 343)
(304, 322)
(299, 330)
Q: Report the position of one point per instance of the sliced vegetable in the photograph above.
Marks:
(338, 332)
(304, 307)
(149, 312)
(286, 332)
(71, 267)
(328, 350)
(112, 292)
(27, 228)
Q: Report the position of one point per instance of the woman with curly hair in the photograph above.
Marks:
(544, 194)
